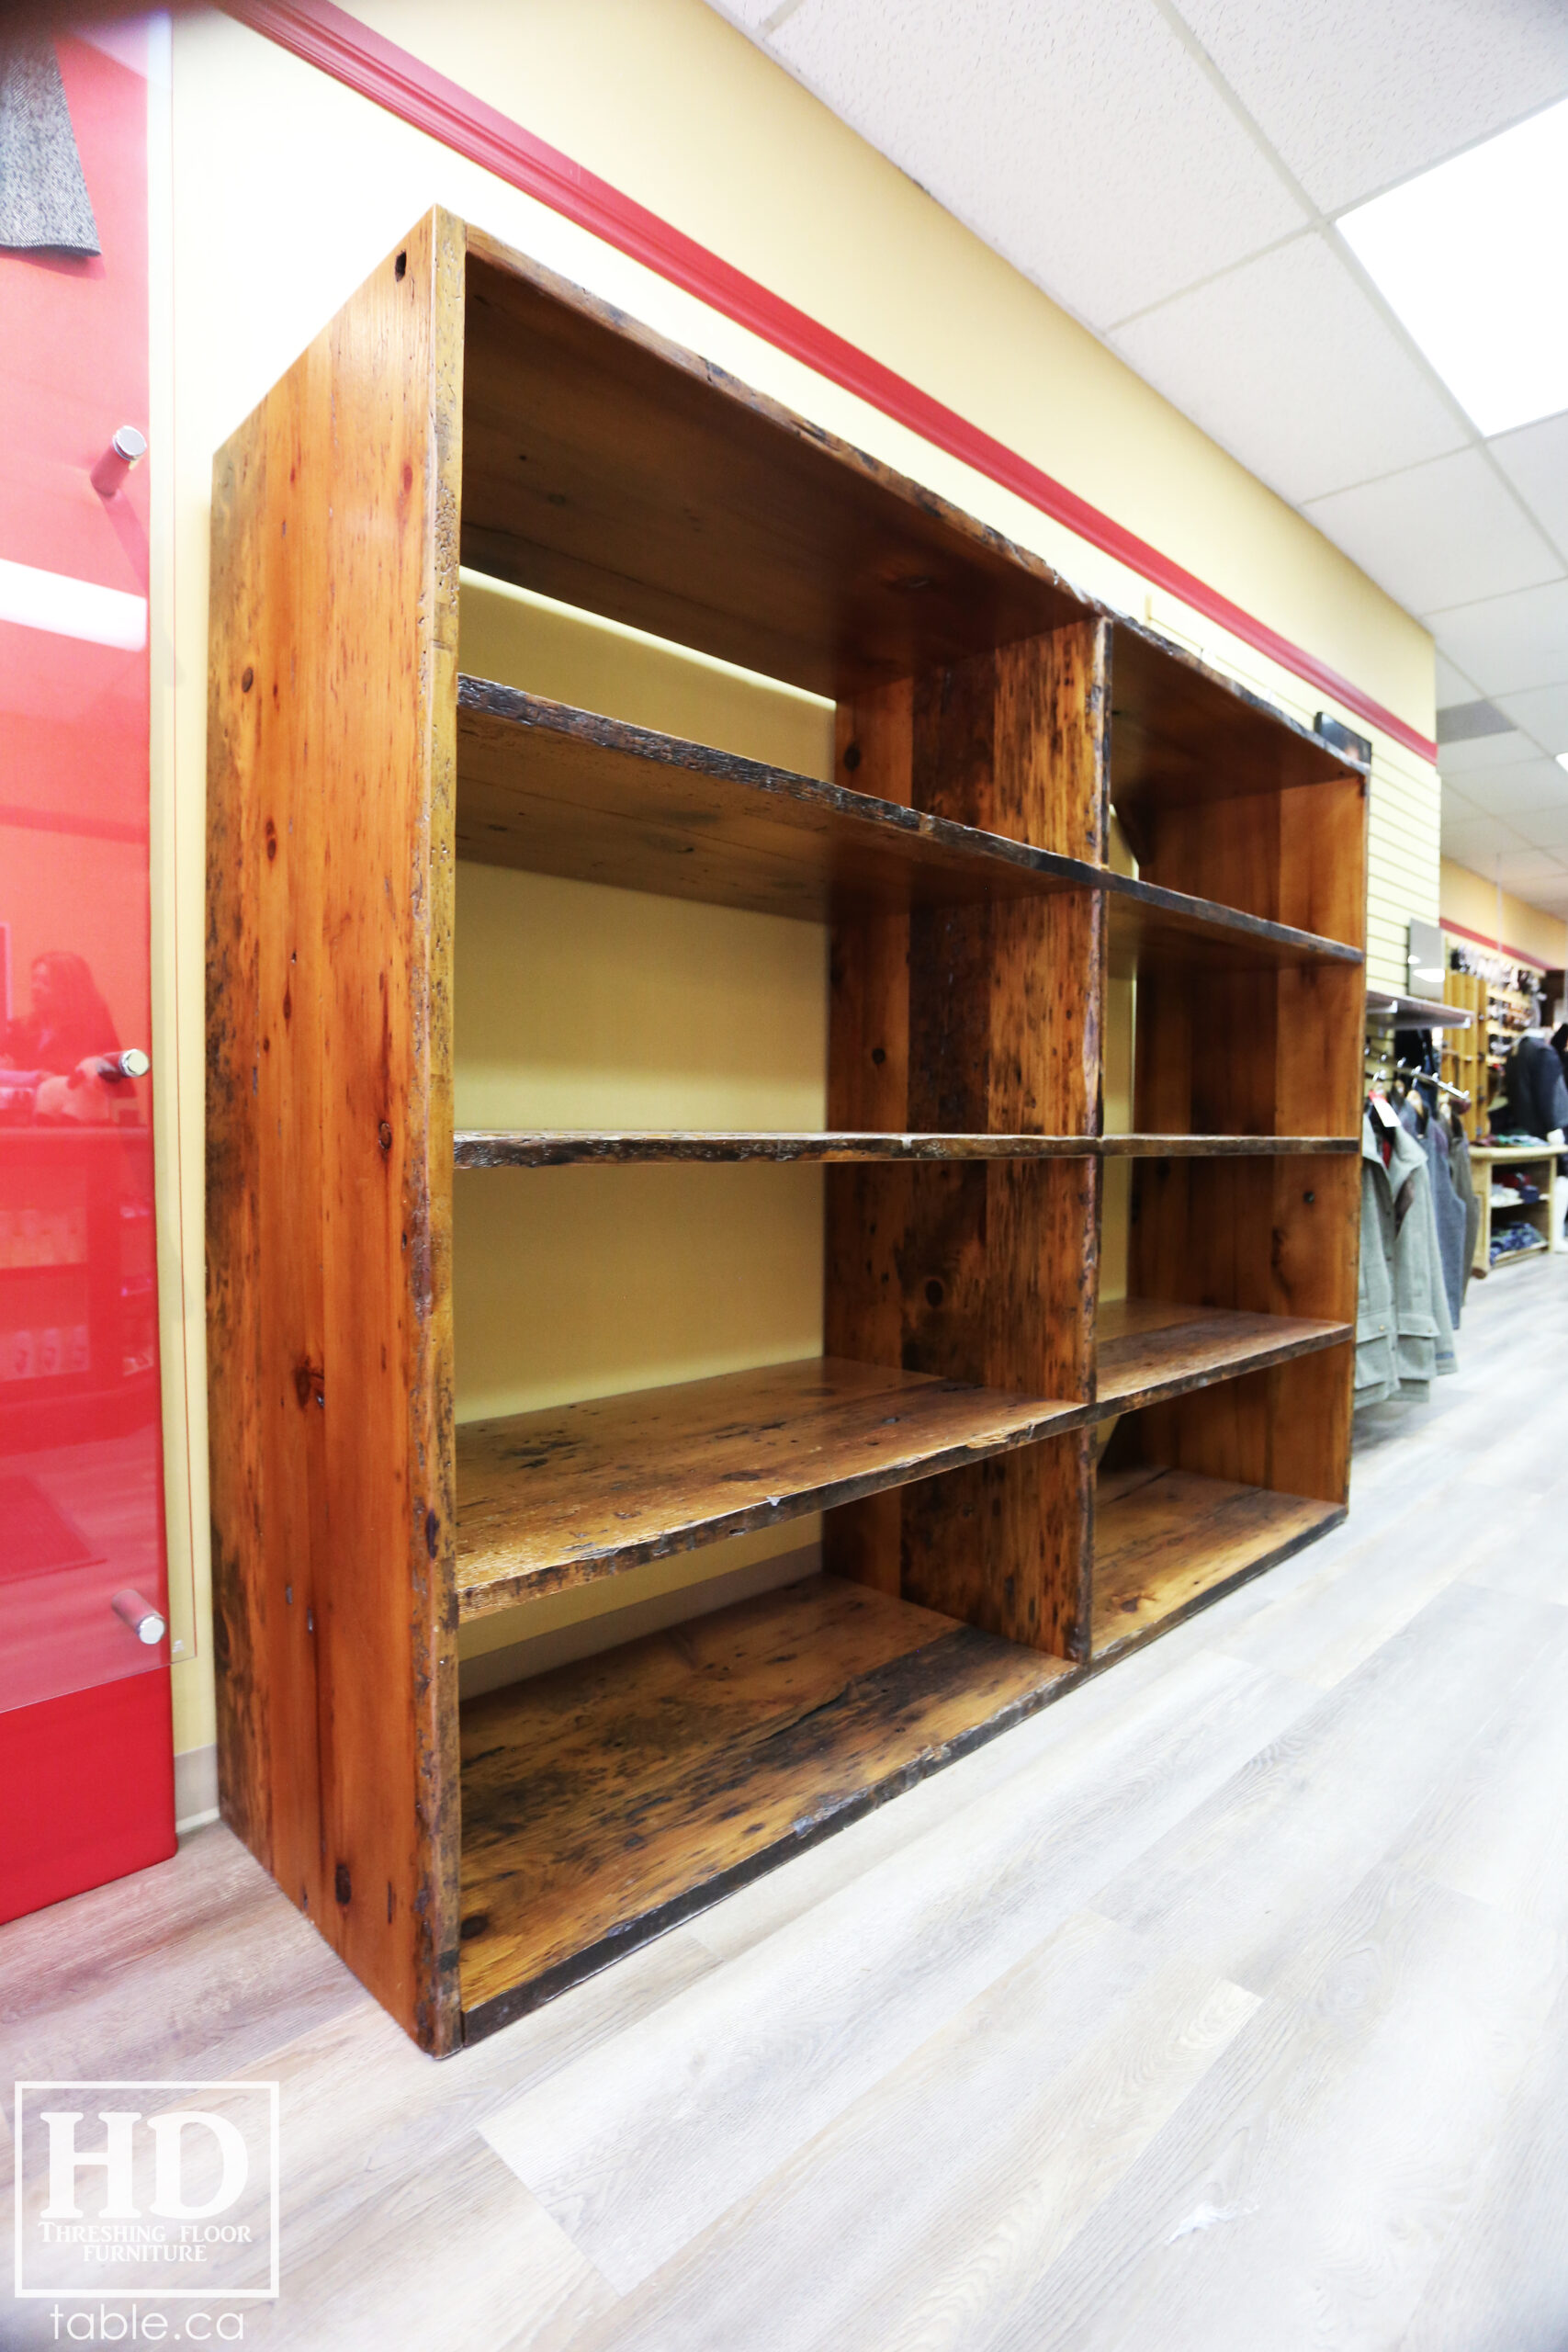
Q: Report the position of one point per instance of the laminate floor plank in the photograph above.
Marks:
(946, 2190)
(1501, 2281)
(1323, 1628)
(1218, 2008)
(1300, 2197)
(1254, 1868)
(636, 2150)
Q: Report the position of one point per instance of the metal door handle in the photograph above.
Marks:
(145, 1621)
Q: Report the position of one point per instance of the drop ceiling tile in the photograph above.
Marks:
(1543, 713)
(1536, 460)
(1509, 642)
(1356, 93)
(1444, 533)
(1545, 829)
(1487, 752)
(1510, 792)
(1452, 685)
(1479, 843)
(1087, 146)
(1288, 364)
(1518, 868)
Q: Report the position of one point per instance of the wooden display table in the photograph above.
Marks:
(1545, 1158)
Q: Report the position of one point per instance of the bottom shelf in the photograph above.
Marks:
(607, 1800)
(1166, 1540)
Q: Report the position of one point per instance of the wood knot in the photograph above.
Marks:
(341, 1886)
(384, 1136)
(247, 679)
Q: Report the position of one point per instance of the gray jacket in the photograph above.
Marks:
(1403, 1336)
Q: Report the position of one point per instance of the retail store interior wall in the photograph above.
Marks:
(1475, 909)
(279, 174)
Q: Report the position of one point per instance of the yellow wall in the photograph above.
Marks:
(1469, 899)
(278, 191)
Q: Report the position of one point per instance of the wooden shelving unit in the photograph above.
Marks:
(1017, 1479)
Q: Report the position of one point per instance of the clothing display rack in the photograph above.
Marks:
(1022, 1480)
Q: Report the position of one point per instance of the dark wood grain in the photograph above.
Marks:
(561, 1497)
(552, 789)
(979, 1018)
(1183, 736)
(1168, 1542)
(331, 769)
(495, 1147)
(557, 790)
(607, 1800)
(571, 1146)
(621, 473)
(1155, 1348)
(1223, 1147)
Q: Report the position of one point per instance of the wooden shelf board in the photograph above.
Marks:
(1150, 927)
(597, 1147)
(557, 790)
(1152, 1348)
(1165, 1541)
(561, 1147)
(551, 789)
(1131, 1146)
(576, 1492)
(607, 1800)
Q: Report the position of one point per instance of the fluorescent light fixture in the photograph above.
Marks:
(1562, 759)
(1470, 258)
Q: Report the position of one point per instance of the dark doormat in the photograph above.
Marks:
(34, 1534)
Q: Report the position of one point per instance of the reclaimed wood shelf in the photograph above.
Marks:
(1149, 1348)
(566, 1147)
(1187, 1146)
(559, 1497)
(651, 1780)
(465, 406)
(1166, 1540)
(594, 1147)
(553, 789)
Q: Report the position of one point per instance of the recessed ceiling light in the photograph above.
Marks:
(1470, 258)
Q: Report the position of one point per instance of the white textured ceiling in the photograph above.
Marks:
(1171, 171)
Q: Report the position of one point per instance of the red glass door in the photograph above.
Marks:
(85, 1745)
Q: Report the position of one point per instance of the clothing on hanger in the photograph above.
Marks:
(1403, 1330)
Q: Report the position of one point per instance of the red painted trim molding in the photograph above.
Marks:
(1492, 946)
(330, 39)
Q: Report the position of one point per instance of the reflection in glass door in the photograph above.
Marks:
(85, 1727)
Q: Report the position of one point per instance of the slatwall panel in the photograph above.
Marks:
(1403, 860)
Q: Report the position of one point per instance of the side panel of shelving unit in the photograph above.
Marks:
(984, 1019)
(331, 746)
(1267, 1053)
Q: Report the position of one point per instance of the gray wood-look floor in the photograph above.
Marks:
(1225, 2005)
